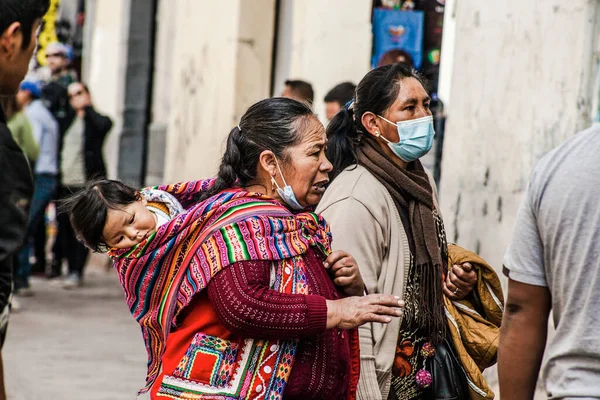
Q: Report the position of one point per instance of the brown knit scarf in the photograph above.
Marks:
(413, 196)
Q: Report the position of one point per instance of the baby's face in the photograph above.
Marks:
(129, 225)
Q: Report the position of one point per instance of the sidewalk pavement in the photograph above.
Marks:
(74, 344)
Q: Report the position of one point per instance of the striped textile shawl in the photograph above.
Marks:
(161, 274)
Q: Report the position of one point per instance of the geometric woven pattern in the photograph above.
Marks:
(224, 352)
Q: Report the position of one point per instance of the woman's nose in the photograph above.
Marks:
(424, 112)
(326, 165)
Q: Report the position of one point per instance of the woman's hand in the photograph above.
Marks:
(346, 275)
(352, 312)
(460, 281)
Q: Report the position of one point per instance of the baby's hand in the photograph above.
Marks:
(346, 275)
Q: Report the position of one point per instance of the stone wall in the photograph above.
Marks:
(522, 83)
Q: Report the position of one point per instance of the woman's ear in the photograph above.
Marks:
(371, 123)
(267, 163)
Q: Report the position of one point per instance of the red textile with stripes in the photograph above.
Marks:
(239, 303)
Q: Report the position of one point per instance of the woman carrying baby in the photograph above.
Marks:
(237, 291)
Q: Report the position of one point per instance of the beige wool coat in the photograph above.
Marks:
(365, 223)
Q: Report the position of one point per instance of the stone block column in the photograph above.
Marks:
(221, 65)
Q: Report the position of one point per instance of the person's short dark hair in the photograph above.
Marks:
(392, 57)
(341, 94)
(26, 12)
(88, 209)
(303, 89)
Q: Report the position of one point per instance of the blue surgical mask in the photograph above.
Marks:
(416, 138)
(287, 193)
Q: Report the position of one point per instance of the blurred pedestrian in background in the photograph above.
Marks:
(54, 93)
(56, 99)
(46, 134)
(395, 56)
(19, 22)
(337, 97)
(552, 264)
(58, 56)
(81, 160)
(20, 127)
(299, 90)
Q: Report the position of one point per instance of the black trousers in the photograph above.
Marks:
(66, 245)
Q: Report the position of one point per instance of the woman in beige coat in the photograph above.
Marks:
(382, 207)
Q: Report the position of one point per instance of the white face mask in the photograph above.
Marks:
(287, 193)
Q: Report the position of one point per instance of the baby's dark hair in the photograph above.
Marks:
(88, 209)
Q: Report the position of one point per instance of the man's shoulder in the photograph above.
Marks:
(580, 143)
(44, 111)
(7, 142)
(578, 153)
(15, 166)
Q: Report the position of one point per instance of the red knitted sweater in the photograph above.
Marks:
(239, 303)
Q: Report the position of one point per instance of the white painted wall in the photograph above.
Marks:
(254, 53)
(105, 68)
(324, 43)
(447, 56)
(521, 84)
(166, 28)
(522, 78)
(221, 65)
(203, 86)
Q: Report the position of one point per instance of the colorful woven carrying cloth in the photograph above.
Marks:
(161, 275)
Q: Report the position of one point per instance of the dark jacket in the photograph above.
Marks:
(96, 128)
(56, 100)
(16, 190)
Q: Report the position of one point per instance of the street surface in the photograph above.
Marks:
(80, 344)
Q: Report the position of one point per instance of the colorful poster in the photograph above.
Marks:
(398, 30)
